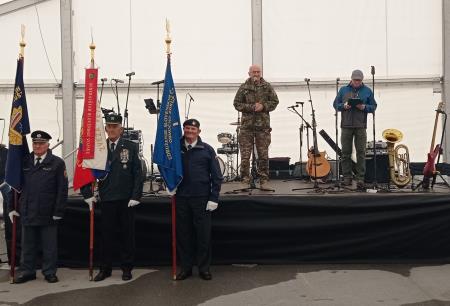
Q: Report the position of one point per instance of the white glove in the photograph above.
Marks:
(133, 203)
(90, 202)
(211, 205)
(56, 218)
(12, 214)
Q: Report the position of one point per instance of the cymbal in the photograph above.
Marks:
(235, 123)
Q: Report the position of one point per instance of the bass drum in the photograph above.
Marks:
(221, 165)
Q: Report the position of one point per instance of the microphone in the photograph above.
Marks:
(293, 106)
(192, 99)
(104, 79)
(372, 70)
(158, 82)
(307, 80)
(130, 74)
(338, 79)
(117, 80)
(299, 102)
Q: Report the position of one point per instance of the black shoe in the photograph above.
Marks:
(183, 275)
(24, 278)
(205, 275)
(126, 275)
(360, 185)
(102, 275)
(51, 278)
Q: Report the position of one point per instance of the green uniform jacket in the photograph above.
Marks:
(248, 94)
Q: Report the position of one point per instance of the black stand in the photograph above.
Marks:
(337, 158)
(254, 171)
(374, 183)
(101, 89)
(436, 173)
(303, 125)
(125, 113)
(316, 187)
(116, 93)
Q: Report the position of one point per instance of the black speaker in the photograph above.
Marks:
(383, 175)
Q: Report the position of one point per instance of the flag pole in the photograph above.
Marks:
(12, 273)
(92, 210)
(168, 41)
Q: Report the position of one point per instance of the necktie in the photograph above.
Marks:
(38, 161)
(113, 146)
(189, 147)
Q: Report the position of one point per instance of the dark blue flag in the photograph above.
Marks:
(167, 153)
(19, 127)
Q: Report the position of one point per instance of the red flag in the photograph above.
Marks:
(82, 176)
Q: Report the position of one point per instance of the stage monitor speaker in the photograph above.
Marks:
(383, 175)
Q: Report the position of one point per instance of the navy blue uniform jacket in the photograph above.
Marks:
(201, 172)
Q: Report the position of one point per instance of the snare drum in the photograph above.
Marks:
(224, 137)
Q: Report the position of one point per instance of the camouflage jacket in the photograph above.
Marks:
(247, 96)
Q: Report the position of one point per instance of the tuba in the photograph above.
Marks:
(398, 158)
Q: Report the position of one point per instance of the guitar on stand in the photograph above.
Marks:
(317, 166)
(429, 170)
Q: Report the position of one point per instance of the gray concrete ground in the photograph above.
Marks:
(321, 285)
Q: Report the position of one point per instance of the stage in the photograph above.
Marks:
(285, 226)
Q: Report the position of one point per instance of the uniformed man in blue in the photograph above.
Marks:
(119, 193)
(196, 197)
(41, 205)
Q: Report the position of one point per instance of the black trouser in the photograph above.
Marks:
(193, 232)
(117, 216)
(8, 232)
(31, 236)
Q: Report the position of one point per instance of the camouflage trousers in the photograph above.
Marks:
(262, 142)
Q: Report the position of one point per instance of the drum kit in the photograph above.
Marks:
(230, 147)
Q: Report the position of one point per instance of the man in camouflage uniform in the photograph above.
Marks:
(255, 99)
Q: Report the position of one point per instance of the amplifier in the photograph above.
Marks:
(378, 144)
(383, 175)
(369, 152)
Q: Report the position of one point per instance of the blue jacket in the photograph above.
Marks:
(355, 118)
(44, 192)
(201, 172)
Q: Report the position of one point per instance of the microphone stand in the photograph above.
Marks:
(254, 171)
(338, 158)
(117, 95)
(101, 90)
(189, 106)
(125, 113)
(374, 183)
(316, 187)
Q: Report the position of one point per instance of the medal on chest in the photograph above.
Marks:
(124, 157)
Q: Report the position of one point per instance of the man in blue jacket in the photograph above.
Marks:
(354, 101)
(197, 196)
(42, 202)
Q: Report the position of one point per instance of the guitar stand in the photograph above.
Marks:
(433, 178)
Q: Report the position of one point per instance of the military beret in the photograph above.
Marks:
(40, 136)
(113, 118)
(192, 122)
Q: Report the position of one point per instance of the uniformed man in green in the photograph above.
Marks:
(255, 98)
(119, 192)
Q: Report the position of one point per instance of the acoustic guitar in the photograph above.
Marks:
(430, 166)
(317, 165)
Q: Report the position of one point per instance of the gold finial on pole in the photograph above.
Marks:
(22, 41)
(168, 39)
(92, 47)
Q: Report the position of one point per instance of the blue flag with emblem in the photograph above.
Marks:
(19, 127)
(167, 154)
